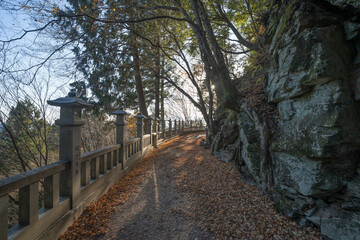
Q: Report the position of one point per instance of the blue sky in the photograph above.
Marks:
(50, 82)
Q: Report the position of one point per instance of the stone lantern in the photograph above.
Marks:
(148, 125)
(120, 130)
(70, 123)
(163, 127)
(170, 128)
(175, 127)
(120, 125)
(156, 131)
(140, 127)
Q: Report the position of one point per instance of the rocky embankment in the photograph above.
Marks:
(312, 162)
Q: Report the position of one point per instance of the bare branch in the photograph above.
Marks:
(30, 31)
(242, 40)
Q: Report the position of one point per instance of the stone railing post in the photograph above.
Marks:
(70, 123)
(148, 129)
(170, 129)
(206, 134)
(140, 128)
(120, 131)
(201, 125)
(163, 128)
(178, 127)
(156, 131)
(207, 140)
(175, 127)
(191, 125)
(183, 126)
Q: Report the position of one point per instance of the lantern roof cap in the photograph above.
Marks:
(119, 112)
(139, 115)
(71, 100)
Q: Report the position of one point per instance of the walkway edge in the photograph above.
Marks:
(108, 180)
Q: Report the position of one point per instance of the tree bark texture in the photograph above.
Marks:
(137, 73)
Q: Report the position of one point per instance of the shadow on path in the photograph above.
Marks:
(158, 210)
(181, 191)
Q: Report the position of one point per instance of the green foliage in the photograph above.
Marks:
(27, 140)
(254, 64)
(233, 116)
(105, 55)
(105, 52)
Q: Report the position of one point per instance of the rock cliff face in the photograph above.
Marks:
(314, 80)
(315, 48)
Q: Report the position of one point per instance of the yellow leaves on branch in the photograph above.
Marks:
(27, 7)
(43, 8)
(55, 10)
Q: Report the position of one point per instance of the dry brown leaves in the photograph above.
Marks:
(226, 206)
(255, 98)
(95, 218)
(220, 201)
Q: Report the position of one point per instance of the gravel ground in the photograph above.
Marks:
(157, 210)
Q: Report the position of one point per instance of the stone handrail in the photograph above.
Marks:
(132, 147)
(98, 162)
(97, 153)
(70, 185)
(147, 140)
(27, 184)
(21, 180)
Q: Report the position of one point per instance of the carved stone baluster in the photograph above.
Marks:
(102, 165)
(109, 161)
(155, 129)
(29, 204)
(163, 128)
(148, 129)
(85, 173)
(94, 168)
(51, 191)
(170, 128)
(115, 158)
(4, 204)
(140, 129)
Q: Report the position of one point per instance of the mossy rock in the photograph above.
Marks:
(250, 139)
(283, 204)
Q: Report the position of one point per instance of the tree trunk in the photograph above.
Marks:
(162, 93)
(162, 109)
(157, 79)
(211, 104)
(137, 73)
(213, 58)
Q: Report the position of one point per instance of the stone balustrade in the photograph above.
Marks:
(77, 179)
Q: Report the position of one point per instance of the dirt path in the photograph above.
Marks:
(158, 210)
(180, 191)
